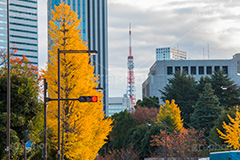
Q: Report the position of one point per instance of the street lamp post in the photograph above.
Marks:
(59, 112)
(165, 129)
(8, 89)
(45, 120)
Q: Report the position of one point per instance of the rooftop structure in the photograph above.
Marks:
(169, 53)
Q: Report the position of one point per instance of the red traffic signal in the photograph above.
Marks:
(88, 99)
(94, 98)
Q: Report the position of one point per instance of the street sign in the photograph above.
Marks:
(28, 144)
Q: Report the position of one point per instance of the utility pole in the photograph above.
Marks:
(25, 141)
(8, 88)
(45, 120)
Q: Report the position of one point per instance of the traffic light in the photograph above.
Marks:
(88, 99)
(25, 136)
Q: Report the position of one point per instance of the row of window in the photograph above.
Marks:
(158, 49)
(115, 103)
(22, 37)
(28, 1)
(18, 30)
(25, 25)
(201, 69)
(114, 111)
(18, 5)
(27, 56)
(29, 44)
(23, 12)
(26, 19)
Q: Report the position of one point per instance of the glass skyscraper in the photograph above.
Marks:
(94, 28)
(23, 28)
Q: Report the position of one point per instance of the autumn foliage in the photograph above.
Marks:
(121, 154)
(170, 114)
(180, 144)
(232, 135)
(145, 114)
(18, 65)
(83, 124)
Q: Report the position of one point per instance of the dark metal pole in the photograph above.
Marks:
(25, 156)
(59, 144)
(45, 120)
(165, 126)
(105, 154)
(8, 87)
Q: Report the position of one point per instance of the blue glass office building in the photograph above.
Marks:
(23, 28)
(94, 28)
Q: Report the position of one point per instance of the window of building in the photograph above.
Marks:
(193, 70)
(177, 68)
(225, 69)
(209, 69)
(201, 69)
(185, 68)
(216, 68)
(169, 70)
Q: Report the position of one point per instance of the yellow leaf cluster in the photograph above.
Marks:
(83, 124)
(170, 110)
(232, 136)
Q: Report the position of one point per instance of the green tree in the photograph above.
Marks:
(26, 109)
(224, 88)
(202, 82)
(206, 110)
(182, 88)
(148, 102)
(228, 97)
(140, 138)
(223, 117)
(123, 122)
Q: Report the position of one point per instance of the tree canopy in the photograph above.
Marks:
(170, 113)
(206, 110)
(83, 125)
(148, 102)
(26, 109)
(181, 88)
(232, 135)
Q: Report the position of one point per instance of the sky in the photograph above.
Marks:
(189, 25)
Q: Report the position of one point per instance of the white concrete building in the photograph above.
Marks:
(162, 70)
(118, 104)
(169, 53)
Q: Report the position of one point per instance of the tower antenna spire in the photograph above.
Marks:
(130, 78)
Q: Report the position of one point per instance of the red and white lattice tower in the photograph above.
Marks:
(130, 78)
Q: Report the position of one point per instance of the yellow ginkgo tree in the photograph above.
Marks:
(232, 136)
(170, 113)
(83, 127)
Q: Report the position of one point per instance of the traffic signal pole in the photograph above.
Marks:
(45, 119)
(59, 112)
(25, 141)
(25, 156)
